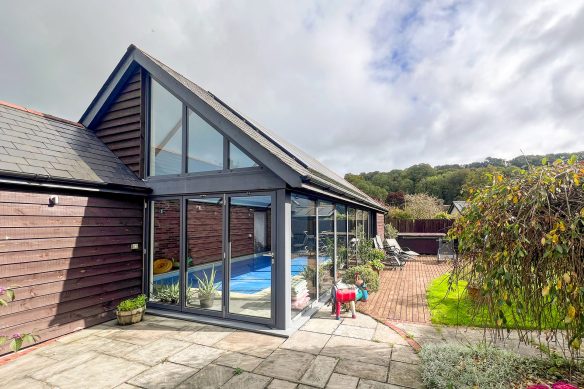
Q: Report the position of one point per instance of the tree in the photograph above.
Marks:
(521, 242)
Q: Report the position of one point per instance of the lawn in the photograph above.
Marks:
(454, 307)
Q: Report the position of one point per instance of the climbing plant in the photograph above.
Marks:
(521, 243)
(16, 340)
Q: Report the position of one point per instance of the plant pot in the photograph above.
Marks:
(207, 302)
(130, 317)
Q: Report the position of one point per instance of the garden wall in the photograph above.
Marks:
(69, 264)
(421, 235)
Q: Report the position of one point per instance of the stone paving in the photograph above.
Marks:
(167, 353)
(402, 293)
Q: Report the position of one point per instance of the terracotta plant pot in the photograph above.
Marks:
(130, 317)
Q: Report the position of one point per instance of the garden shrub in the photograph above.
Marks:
(369, 275)
(390, 231)
(521, 241)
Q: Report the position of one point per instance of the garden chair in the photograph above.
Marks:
(392, 251)
(405, 250)
(390, 259)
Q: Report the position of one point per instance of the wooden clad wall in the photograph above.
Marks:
(69, 264)
(120, 128)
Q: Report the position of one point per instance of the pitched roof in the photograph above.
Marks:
(458, 204)
(43, 147)
(309, 169)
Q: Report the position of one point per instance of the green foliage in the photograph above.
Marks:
(521, 242)
(447, 366)
(422, 206)
(16, 340)
(376, 265)
(237, 371)
(9, 293)
(133, 303)
(390, 231)
(207, 287)
(398, 213)
(447, 182)
(443, 215)
(166, 293)
(370, 277)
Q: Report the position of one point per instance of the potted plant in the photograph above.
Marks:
(207, 289)
(376, 258)
(167, 293)
(376, 265)
(132, 310)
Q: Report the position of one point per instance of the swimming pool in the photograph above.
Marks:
(249, 275)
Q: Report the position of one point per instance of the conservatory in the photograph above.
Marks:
(240, 226)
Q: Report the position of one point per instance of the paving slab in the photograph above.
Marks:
(324, 326)
(238, 360)
(196, 356)
(104, 371)
(361, 321)
(319, 371)
(211, 376)
(305, 341)
(368, 384)
(258, 345)
(141, 334)
(62, 351)
(362, 370)
(44, 373)
(285, 364)
(25, 383)
(26, 365)
(358, 350)
(157, 351)
(341, 381)
(355, 332)
(116, 348)
(247, 380)
(405, 354)
(405, 374)
(385, 334)
(281, 384)
(166, 375)
(208, 335)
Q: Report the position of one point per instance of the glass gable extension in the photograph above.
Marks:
(201, 149)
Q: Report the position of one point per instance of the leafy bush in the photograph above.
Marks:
(443, 215)
(521, 240)
(390, 231)
(369, 275)
(422, 206)
(398, 213)
(457, 366)
(133, 303)
(376, 265)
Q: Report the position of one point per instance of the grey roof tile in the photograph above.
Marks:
(32, 143)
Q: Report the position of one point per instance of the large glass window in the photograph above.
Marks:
(238, 159)
(165, 252)
(341, 239)
(204, 250)
(303, 247)
(251, 256)
(326, 246)
(166, 132)
(352, 250)
(366, 226)
(205, 151)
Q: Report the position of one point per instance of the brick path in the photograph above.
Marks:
(402, 293)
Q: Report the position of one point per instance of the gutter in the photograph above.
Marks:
(341, 196)
(40, 181)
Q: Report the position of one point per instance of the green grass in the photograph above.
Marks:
(454, 307)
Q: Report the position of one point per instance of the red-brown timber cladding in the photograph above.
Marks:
(69, 264)
(121, 129)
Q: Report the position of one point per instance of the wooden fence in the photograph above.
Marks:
(422, 225)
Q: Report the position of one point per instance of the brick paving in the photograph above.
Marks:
(402, 293)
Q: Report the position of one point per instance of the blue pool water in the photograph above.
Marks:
(248, 275)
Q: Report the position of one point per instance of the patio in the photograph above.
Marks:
(169, 353)
(402, 293)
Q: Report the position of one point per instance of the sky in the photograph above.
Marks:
(360, 85)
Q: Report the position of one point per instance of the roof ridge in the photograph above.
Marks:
(45, 115)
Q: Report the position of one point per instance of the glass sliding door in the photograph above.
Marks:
(251, 259)
(204, 253)
(165, 285)
(303, 253)
(351, 232)
(341, 221)
(326, 246)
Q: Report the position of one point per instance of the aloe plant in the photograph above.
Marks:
(167, 293)
(207, 287)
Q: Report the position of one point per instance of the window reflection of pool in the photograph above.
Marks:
(249, 275)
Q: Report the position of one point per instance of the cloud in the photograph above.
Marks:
(361, 86)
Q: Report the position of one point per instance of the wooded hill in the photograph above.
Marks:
(445, 181)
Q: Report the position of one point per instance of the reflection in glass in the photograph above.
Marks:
(352, 250)
(166, 132)
(326, 246)
(341, 239)
(303, 247)
(204, 249)
(250, 241)
(205, 151)
(366, 227)
(238, 159)
(165, 254)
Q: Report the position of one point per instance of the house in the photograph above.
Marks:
(162, 188)
(456, 208)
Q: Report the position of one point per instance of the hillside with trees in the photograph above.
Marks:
(446, 182)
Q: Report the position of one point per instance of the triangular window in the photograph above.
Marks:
(238, 159)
